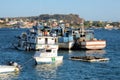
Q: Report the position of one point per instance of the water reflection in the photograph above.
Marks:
(98, 53)
(8, 76)
(47, 71)
(95, 51)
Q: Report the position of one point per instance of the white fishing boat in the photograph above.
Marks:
(47, 55)
(13, 67)
(35, 39)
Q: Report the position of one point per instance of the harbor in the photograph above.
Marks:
(59, 40)
(76, 69)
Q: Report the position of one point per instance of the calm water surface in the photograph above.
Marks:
(68, 69)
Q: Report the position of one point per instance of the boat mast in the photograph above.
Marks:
(82, 30)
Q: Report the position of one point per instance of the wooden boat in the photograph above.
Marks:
(93, 44)
(86, 40)
(90, 58)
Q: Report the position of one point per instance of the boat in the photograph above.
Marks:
(109, 27)
(47, 55)
(91, 43)
(35, 39)
(6, 68)
(89, 58)
(65, 37)
(85, 40)
(12, 67)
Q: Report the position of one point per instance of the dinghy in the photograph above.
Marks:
(12, 67)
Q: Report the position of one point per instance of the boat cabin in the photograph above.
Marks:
(47, 52)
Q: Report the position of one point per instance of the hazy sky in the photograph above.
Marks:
(107, 10)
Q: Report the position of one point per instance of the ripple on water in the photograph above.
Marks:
(68, 69)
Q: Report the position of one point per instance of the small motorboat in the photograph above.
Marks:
(11, 67)
(89, 58)
(47, 56)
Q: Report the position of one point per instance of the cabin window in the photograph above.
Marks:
(48, 50)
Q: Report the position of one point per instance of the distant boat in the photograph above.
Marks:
(109, 27)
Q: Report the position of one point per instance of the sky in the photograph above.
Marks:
(104, 10)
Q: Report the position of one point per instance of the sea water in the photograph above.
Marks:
(67, 69)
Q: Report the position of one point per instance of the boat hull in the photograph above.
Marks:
(98, 44)
(40, 60)
(5, 68)
(66, 45)
(36, 47)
